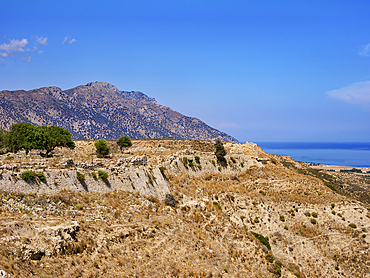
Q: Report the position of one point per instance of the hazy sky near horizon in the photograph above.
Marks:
(257, 70)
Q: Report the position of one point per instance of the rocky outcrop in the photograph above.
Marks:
(131, 171)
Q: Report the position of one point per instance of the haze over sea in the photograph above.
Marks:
(334, 153)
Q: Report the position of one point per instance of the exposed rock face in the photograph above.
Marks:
(99, 110)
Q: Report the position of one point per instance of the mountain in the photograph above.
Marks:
(100, 110)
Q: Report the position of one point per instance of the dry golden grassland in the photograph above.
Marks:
(301, 228)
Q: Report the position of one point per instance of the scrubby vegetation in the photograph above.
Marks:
(124, 142)
(102, 147)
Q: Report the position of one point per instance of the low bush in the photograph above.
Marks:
(313, 221)
(162, 169)
(217, 205)
(314, 214)
(197, 159)
(277, 268)
(270, 258)
(93, 174)
(185, 161)
(282, 218)
(28, 175)
(79, 206)
(330, 186)
(263, 240)
(352, 225)
(102, 174)
(41, 176)
(80, 177)
(102, 147)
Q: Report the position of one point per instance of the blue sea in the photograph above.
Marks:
(344, 154)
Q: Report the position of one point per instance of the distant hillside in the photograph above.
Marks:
(100, 110)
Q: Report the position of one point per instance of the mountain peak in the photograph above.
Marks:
(102, 84)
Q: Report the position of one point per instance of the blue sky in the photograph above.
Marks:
(258, 70)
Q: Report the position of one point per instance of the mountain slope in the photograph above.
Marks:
(100, 110)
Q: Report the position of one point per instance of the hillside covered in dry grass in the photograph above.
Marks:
(169, 209)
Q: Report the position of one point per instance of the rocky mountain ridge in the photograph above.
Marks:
(99, 110)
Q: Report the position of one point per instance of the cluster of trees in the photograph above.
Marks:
(29, 137)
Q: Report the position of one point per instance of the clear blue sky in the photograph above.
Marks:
(258, 70)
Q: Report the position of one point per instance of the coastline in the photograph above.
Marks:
(337, 168)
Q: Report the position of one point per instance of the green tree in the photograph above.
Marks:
(2, 138)
(29, 137)
(26, 136)
(124, 142)
(102, 147)
(220, 150)
(58, 137)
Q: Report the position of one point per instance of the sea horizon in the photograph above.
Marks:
(352, 154)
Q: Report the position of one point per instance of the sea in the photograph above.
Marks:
(337, 153)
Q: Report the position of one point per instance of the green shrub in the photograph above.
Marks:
(217, 205)
(41, 176)
(313, 221)
(277, 268)
(263, 240)
(282, 218)
(197, 159)
(162, 169)
(81, 177)
(185, 161)
(93, 174)
(9, 157)
(199, 167)
(124, 142)
(102, 147)
(79, 206)
(190, 162)
(220, 150)
(330, 186)
(270, 258)
(242, 164)
(256, 220)
(352, 225)
(263, 192)
(102, 174)
(333, 212)
(28, 175)
(314, 214)
(332, 205)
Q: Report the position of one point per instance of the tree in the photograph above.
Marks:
(29, 137)
(102, 147)
(58, 137)
(220, 150)
(124, 142)
(26, 136)
(2, 138)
